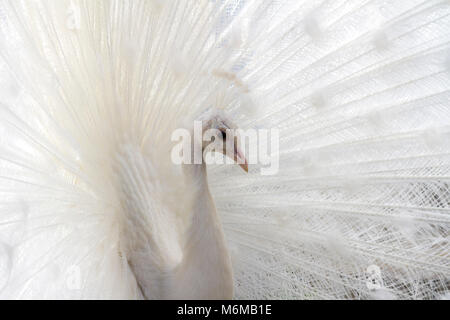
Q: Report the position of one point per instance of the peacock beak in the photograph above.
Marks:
(244, 165)
(239, 156)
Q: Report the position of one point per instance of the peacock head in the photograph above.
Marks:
(220, 134)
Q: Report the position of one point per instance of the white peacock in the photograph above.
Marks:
(91, 205)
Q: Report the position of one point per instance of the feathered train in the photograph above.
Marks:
(91, 90)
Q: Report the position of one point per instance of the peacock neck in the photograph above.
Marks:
(206, 268)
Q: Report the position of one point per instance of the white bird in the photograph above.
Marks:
(92, 205)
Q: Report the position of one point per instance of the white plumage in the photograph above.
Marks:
(91, 205)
